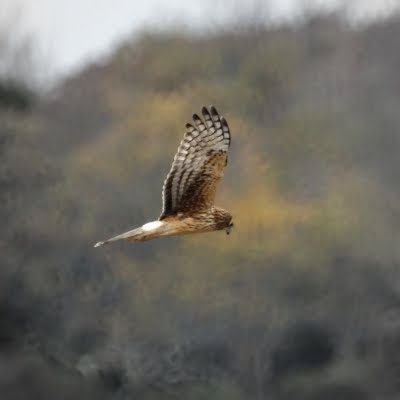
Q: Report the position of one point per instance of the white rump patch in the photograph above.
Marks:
(152, 225)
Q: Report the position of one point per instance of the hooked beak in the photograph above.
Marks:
(228, 229)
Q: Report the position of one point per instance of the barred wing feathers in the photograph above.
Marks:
(198, 165)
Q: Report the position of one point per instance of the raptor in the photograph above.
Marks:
(190, 187)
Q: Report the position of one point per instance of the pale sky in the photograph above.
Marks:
(70, 33)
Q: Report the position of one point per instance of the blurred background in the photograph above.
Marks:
(301, 302)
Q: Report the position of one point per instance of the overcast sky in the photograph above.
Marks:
(72, 32)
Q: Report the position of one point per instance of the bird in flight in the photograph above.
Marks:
(190, 187)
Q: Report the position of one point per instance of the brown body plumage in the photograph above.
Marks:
(190, 187)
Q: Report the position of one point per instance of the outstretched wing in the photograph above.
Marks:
(198, 165)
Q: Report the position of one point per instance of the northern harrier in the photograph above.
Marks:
(190, 187)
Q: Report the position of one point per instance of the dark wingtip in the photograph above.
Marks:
(204, 109)
(196, 117)
(213, 110)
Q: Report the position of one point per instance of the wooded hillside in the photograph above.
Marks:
(300, 301)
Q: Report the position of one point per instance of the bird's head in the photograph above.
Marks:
(229, 227)
(222, 220)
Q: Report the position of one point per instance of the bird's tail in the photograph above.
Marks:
(135, 234)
